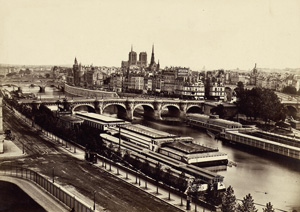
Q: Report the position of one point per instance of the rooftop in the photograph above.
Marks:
(189, 148)
(149, 132)
(98, 117)
(70, 118)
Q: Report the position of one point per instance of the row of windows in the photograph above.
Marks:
(218, 89)
(170, 154)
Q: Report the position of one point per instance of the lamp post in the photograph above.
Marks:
(119, 137)
(52, 174)
(94, 200)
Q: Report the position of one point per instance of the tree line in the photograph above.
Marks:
(259, 103)
(229, 203)
(290, 90)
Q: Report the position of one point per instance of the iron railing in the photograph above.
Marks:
(63, 196)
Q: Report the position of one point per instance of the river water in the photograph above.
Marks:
(266, 177)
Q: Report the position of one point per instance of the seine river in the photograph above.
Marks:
(266, 177)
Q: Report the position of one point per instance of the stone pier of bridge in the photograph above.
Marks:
(42, 89)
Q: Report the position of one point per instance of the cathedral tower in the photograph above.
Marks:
(132, 60)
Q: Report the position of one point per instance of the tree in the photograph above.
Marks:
(228, 200)
(239, 89)
(219, 110)
(249, 101)
(247, 205)
(11, 74)
(181, 181)
(269, 208)
(28, 71)
(263, 103)
(212, 195)
(157, 172)
(271, 108)
(289, 90)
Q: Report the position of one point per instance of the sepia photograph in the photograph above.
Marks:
(149, 106)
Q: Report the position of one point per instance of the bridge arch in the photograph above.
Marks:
(148, 110)
(291, 110)
(144, 105)
(84, 107)
(41, 86)
(194, 109)
(117, 108)
(172, 110)
(169, 106)
(10, 85)
(119, 105)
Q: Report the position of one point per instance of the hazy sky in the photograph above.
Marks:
(192, 33)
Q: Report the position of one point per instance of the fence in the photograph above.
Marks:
(61, 195)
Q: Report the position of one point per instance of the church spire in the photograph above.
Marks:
(75, 61)
(152, 56)
(254, 71)
(131, 48)
(158, 66)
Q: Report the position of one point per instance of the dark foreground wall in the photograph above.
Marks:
(12, 198)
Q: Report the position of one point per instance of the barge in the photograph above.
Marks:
(212, 123)
(233, 132)
(194, 154)
(180, 148)
(270, 142)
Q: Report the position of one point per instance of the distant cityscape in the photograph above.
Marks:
(136, 75)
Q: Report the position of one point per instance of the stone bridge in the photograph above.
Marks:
(19, 88)
(41, 84)
(45, 84)
(293, 106)
(153, 108)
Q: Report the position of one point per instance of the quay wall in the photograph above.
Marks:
(77, 91)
